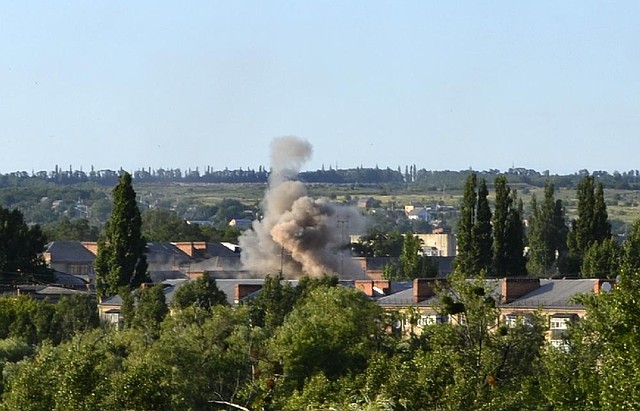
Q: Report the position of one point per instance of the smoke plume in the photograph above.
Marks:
(297, 234)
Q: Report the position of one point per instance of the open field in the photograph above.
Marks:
(622, 205)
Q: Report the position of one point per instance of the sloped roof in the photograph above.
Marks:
(214, 250)
(69, 251)
(159, 276)
(229, 264)
(400, 294)
(69, 280)
(555, 293)
(552, 293)
(165, 252)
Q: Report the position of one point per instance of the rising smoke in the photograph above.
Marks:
(298, 235)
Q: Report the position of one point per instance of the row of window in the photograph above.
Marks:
(510, 320)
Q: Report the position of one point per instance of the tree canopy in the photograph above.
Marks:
(121, 259)
(21, 247)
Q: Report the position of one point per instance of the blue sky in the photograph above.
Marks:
(444, 85)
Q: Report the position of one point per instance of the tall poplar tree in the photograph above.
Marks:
(500, 215)
(121, 259)
(482, 231)
(474, 233)
(464, 230)
(547, 233)
(560, 232)
(508, 232)
(592, 225)
(515, 235)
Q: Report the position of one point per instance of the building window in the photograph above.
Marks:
(78, 269)
(432, 319)
(511, 320)
(558, 323)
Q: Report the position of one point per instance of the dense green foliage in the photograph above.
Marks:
(71, 230)
(20, 248)
(121, 259)
(203, 293)
(34, 322)
(379, 244)
(592, 224)
(411, 263)
(163, 225)
(474, 233)
(412, 175)
(547, 234)
(508, 232)
(320, 346)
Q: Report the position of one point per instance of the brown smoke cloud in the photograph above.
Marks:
(298, 234)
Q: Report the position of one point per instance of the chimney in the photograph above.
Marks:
(603, 285)
(243, 290)
(383, 285)
(366, 286)
(92, 246)
(514, 288)
(424, 288)
(186, 247)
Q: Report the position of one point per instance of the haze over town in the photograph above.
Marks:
(546, 85)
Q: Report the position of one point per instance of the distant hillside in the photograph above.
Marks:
(411, 177)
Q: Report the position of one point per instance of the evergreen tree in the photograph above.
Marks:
(121, 259)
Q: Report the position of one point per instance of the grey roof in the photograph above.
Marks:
(53, 290)
(69, 251)
(555, 293)
(164, 252)
(231, 264)
(171, 286)
(69, 280)
(552, 293)
(214, 250)
(402, 295)
(113, 300)
(159, 276)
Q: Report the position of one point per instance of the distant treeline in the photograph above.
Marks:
(411, 176)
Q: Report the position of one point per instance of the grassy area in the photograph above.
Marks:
(622, 205)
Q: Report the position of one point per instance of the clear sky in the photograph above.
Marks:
(549, 85)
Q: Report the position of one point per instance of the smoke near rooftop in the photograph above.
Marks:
(297, 234)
